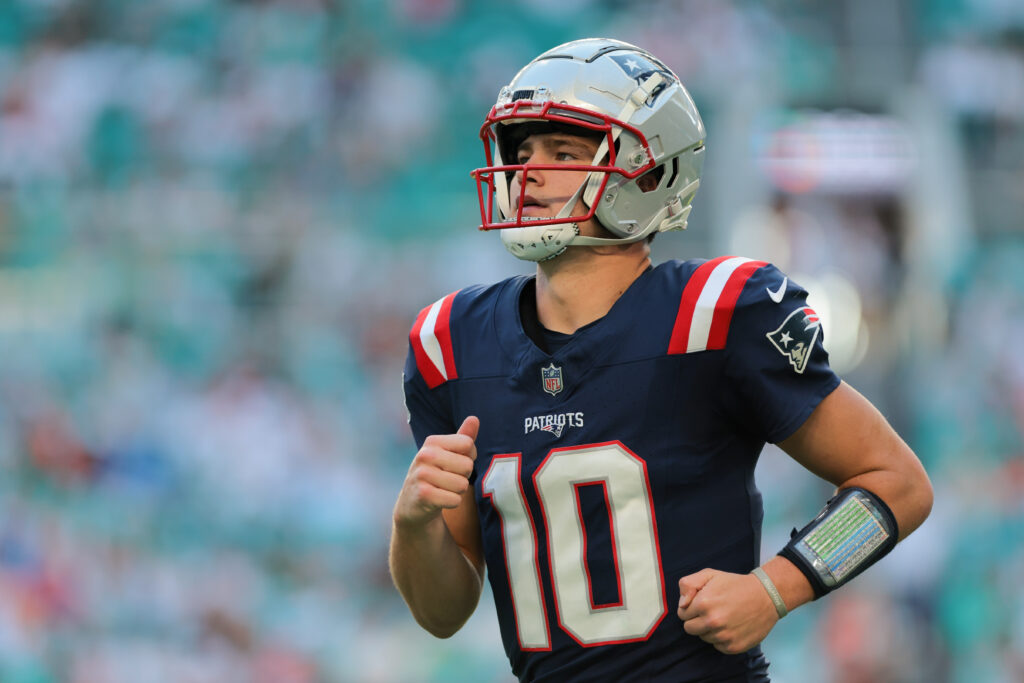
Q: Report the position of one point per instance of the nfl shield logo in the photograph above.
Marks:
(552, 379)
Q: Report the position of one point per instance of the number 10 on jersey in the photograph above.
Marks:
(623, 475)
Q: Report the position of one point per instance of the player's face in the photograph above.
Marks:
(547, 191)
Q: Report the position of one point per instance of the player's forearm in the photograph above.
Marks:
(907, 491)
(437, 582)
(907, 494)
(793, 586)
(848, 442)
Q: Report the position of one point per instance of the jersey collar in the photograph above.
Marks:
(589, 347)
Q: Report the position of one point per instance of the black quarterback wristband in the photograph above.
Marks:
(854, 530)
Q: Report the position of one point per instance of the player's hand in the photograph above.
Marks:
(730, 611)
(438, 475)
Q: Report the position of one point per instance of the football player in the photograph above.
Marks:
(589, 434)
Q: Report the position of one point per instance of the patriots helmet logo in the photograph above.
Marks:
(796, 336)
(640, 68)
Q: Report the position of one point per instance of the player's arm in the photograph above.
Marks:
(850, 444)
(436, 555)
(847, 442)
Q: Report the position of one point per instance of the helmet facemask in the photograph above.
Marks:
(502, 136)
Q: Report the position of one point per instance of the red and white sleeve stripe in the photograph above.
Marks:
(707, 303)
(431, 341)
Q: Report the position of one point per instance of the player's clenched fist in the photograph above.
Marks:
(439, 475)
(730, 611)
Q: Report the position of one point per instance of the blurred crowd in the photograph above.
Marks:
(219, 218)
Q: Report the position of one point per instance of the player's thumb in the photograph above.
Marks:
(470, 427)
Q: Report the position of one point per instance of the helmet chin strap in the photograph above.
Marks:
(673, 216)
(544, 242)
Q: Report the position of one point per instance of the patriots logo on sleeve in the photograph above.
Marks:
(796, 335)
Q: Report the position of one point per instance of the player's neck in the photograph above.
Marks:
(582, 285)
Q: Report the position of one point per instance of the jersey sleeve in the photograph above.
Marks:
(775, 358)
(429, 410)
(429, 367)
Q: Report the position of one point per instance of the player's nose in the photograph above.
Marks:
(532, 175)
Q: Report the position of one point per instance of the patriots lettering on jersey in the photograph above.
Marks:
(707, 303)
(553, 424)
(431, 341)
(795, 337)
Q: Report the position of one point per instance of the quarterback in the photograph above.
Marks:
(588, 435)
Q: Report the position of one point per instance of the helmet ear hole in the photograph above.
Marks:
(649, 181)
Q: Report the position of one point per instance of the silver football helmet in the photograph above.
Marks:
(645, 120)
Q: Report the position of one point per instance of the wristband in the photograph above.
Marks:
(773, 592)
(853, 531)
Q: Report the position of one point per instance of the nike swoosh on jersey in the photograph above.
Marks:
(777, 295)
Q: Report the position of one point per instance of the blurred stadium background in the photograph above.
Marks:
(218, 219)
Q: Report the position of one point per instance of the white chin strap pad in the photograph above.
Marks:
(542, 242)
(538, 242)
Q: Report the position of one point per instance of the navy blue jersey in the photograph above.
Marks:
(623, 461)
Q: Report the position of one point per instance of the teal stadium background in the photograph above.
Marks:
(219, 219)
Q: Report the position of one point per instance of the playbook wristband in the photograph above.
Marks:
(854, 530)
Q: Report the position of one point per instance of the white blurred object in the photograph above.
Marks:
(841, 152)
(838, 305)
